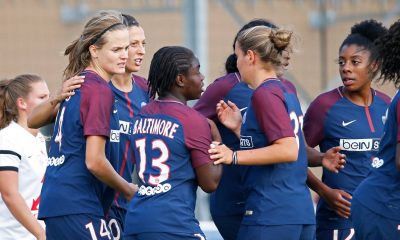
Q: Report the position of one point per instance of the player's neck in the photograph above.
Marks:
(123, 82)
(361, 98)
(23, 122)
(173, 97)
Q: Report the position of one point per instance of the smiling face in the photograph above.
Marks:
(355, 68)
(136, 51)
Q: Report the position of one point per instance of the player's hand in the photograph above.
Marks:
(133, 188)
(68, 88)
(220, 153)
(229, 115)
(338, 200)
(333, 160)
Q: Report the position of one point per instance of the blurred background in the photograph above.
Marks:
(34, 34)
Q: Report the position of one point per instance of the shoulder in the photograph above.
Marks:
(382, 96)
(227, 81)
(140, 81)
(94, 85)
(327, 99)
(10, 134)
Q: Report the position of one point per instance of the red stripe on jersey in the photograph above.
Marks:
(121, 170)
(371, 124)
(128, 104)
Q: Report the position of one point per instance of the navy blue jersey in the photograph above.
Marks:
(228, 199)
(277, 193)
(333, 120)
(169, 140)
(128, 105)
(69, 187)
(380, 191)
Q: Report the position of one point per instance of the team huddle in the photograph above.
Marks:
(246, 141)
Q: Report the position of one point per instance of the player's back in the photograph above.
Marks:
(169, 140)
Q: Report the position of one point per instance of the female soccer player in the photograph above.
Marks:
(376, 201)
(171, 152)
(278, 203)
(227, 202)
(130, 92)
(350, 116)
(23, 158)
(84, 147)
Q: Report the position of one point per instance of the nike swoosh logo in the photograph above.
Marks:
(242, 109)
(344, 124)
(115, 111)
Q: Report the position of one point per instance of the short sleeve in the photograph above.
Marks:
(214, 93)
(198, 139)
(313, 127)
(10, 157)
(271, 114)
(95, 109)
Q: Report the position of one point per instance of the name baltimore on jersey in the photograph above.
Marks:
(360, 145)
(155, 126)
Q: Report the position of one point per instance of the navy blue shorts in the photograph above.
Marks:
(165, 236)
(77, 226)
(335, 234)
(228, 226)
(370, 226)
(115, 221)
(278, 232)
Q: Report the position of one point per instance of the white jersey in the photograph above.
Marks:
(26, 154)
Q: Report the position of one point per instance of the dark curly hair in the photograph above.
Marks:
(389, 55)
(166, 65)
(364, 34)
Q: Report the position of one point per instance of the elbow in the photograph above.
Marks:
(210, 187)
(92, 165)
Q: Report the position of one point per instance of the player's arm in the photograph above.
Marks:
(17, 205)
(208, 176)
(283, 150)
(332, 159)
(215, 135)
(339, 200)
(99, 166)
(46, 112)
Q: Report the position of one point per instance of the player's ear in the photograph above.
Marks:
(180, 80)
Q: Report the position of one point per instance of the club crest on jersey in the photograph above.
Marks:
(246, 142)
(377, 163)
(114, 135)
(360, 145)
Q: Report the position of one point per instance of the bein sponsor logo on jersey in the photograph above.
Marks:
(360, 145)
(246, 142)
(150, 191)
(155, 126)
(55, 161)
